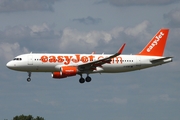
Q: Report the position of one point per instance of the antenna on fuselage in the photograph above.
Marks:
(93, 52)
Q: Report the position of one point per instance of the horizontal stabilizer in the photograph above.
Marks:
(168, 59)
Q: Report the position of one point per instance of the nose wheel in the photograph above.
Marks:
(29, 77)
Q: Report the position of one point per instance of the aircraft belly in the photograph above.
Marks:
(118, 68)
(40, 68)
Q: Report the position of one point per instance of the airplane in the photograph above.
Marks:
(67, 65)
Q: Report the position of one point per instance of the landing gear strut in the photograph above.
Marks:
(29, 77)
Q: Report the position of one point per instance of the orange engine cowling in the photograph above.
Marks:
(58, 75)
(65, 71)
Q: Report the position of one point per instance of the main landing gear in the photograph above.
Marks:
(29, 77)
(87, 79)
(81, 80)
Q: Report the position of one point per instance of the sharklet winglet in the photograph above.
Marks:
(121, 49)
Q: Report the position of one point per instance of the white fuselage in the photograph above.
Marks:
(52, 62)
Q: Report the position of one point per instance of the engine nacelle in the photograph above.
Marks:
(58, 75)
(65, 71)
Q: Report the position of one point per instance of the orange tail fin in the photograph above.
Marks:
(157, 44)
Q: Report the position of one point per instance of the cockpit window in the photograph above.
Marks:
(17, 59)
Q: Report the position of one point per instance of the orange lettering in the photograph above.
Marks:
(112, 60)
(68, 59)
(91, 57)
(44, 58)
(117, 60)
(100, 57)
(84, 59)
(77, 58)
(52, 59)
(60, 59)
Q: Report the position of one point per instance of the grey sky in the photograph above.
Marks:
(26, 5)
(123, 3)
(88, 20)
(83, 26)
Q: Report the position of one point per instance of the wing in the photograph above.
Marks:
(93, 64)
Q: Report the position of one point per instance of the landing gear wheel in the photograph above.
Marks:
(81, 80)
(28, 79)
(88, 79)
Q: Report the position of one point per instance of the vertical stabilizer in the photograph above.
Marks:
(157, 44)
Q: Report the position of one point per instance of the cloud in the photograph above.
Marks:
(138, 29)
(14, 33)
(163, 97)
(25, 39)
(9, 51)
(88, 21)
(82, 40)
(72, 39)
(52, 103)
(116, 101)
(43, 38)
(26, 5)
(173, 18)
(34, 38)
(39, 28)
(121, 3)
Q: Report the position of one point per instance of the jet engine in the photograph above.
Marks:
(65, 71)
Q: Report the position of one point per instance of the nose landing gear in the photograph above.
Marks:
(29, 77)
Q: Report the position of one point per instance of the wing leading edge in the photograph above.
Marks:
(98, 63)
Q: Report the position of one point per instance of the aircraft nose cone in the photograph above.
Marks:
(9, 65)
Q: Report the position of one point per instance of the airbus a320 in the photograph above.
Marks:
(67, 65)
